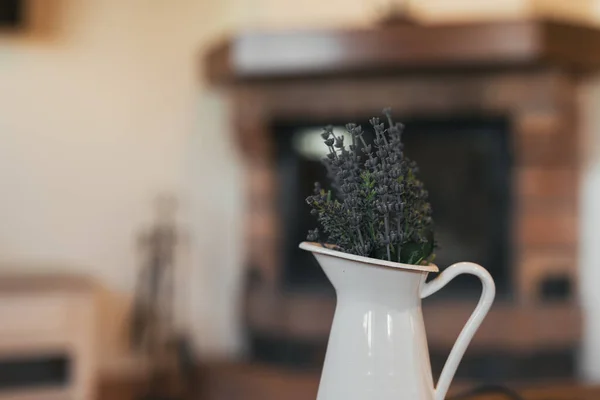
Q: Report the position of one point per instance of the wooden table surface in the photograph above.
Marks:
(550, 392)
(251, 382)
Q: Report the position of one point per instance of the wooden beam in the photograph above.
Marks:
(404, 48)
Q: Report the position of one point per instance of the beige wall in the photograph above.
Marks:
(286, 14)
(98, 115)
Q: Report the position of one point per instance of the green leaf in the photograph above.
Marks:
(413, 253)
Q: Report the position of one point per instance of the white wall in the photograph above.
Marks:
(589, 226)
(96, 117)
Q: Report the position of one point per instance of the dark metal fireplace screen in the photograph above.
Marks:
(465, 164)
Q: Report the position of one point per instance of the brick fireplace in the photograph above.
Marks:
(516, 83)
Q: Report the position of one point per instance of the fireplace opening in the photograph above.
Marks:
(31, 372)
(466, 165)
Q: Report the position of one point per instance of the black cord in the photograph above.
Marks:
(488, 389)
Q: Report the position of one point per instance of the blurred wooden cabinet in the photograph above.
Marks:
(47, 344)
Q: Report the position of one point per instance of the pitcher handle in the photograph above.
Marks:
(465, 336)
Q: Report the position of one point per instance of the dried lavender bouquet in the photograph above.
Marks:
(378, 207)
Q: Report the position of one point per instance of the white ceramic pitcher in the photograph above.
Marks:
(377, 347)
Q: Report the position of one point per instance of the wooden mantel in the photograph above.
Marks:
(404, 48)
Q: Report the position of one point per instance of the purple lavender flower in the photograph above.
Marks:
(379, 208)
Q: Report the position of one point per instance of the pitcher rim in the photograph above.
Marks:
(319, 248)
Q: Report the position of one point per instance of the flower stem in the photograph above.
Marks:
(399, 228)
(387, 235)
